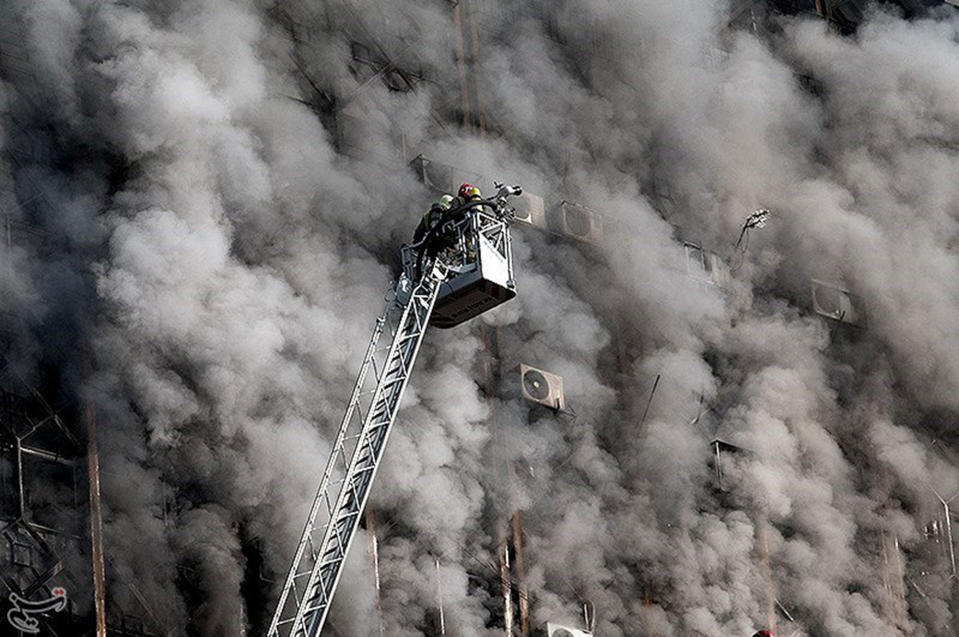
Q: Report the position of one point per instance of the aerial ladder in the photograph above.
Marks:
(461, 268)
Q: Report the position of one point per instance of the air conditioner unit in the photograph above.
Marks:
(716, 268)
(705, 265)
(434, 175)
(581, 222)
(555, 630)
(443, 178)
(530, 209)
(542, 387)
(719, 449)
(836, 303)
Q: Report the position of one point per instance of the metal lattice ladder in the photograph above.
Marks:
(339, 502)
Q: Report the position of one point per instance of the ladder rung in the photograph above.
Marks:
(371, 411)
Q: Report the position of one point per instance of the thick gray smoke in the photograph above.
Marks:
(229, 261)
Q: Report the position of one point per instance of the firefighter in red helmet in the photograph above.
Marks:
(466, 194)
(440, 211)
(433, 228)
(469, 192)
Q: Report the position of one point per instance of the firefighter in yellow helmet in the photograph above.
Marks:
(440, 211)
(429, 229)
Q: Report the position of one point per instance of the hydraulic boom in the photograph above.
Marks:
(481, 232)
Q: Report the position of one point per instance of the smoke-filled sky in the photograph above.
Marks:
(213, 265)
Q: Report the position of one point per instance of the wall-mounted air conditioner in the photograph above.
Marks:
(555, 630)
(542, 387)
(580, 222)
(837, 303)
(720, 449)
(705, 265)
(434, 175)
(530, 209)
(443, 178)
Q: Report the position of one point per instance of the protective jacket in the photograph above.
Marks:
(435, 215)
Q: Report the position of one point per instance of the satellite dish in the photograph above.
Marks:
(536, 386)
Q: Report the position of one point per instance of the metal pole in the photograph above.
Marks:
(21, 504)
(948, 527)
(520, 573)
(96, 523)
(952, 548)
(461, 65)
(506, 587)
(474, 57)
(649, 402)
(375, 557)
(439, 597)
(771, 599)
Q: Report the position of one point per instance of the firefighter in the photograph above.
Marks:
(433, 216)
(443, 240)
(439, 213)
(466, 194)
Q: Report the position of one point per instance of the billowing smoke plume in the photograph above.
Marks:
(219, 263)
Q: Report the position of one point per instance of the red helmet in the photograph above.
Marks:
(468, 191)
(764, 633)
